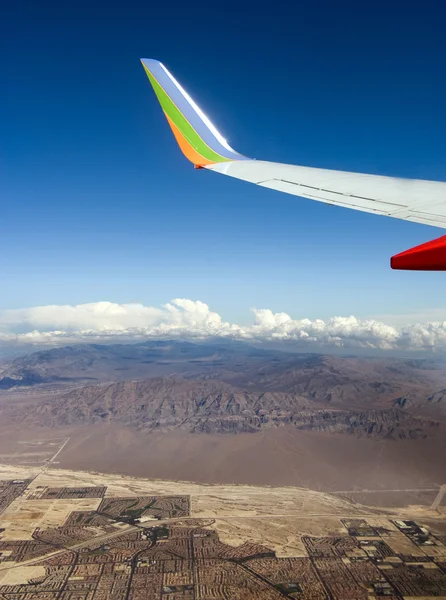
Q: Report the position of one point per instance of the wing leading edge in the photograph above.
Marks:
(409, 199)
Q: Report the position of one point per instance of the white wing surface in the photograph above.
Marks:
(410, 199)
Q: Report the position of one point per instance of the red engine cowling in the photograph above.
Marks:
(430, 256)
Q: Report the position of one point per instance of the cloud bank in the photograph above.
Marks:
(189, 319)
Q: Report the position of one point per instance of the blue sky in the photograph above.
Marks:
(99, 204)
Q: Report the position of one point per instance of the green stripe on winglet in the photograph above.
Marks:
(182, 123)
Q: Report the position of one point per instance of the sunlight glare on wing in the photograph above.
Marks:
(198, 110)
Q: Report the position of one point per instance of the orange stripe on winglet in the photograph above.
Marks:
(189, 152)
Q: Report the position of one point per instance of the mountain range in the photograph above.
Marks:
(230, 412)
(228, 388)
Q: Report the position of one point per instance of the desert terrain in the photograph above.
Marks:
(278, 456)
(185, 471)
(82, 534)
(216, 413)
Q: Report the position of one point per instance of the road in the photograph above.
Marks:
(95, 540)
(441, 492)
(53, 458)
(50, 461)
(98, 539)
(129, 528)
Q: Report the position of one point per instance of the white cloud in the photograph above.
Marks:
(101, 316)
(193, 319)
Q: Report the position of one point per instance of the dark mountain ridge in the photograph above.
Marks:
(114, 362)
(164, 404)
(334, 380)
(232, 388)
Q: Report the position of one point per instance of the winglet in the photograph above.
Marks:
(197, 137)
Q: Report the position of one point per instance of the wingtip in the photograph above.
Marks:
(197, 137)
(150, 62)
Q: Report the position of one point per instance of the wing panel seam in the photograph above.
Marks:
(319, 189)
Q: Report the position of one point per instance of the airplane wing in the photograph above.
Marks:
(409, 199)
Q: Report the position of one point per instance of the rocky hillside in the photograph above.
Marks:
(163, 404)
(331, 380)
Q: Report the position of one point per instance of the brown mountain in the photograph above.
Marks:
(350, 381)
(118, 362)
(168, 409)
(345, 382)
(163, 404)
(166, 403)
